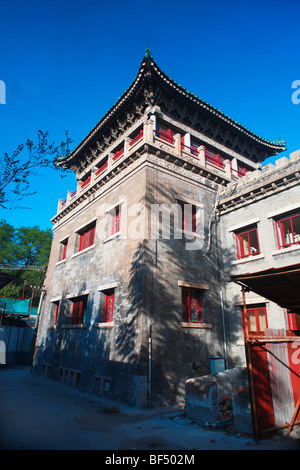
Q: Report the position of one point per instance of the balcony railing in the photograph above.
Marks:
(137, 138)
(214, 159)
(118, 154)
(102, 168)
(86, 183)
(192, 150)
(164, 136)
(148, 134)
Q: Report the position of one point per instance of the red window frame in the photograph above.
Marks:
(109, 305)
(87, 237)
(63, 249)
(86, 182)
(194, 148)
(79, 309)
(56, 312)
(192, 305)
(165, 133)
(287, 236)
(293, 320)
(245, 236)
(214, 158)
(115, 220)
(138, 137)
(256, 311)
(118, 154)
(184, 221)
(102, 167)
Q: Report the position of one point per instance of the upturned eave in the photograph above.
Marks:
(151, 75)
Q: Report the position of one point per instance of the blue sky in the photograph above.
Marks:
(65, 63)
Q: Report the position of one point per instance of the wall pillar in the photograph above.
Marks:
(227, 169)
(201, 155)
(110, 157)
(187, 141)
(127, 141)
(177, 143)
(148, 130)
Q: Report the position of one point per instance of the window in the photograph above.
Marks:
(288, 230)
(194, 148)
(214, 158)
(63, 250)
(247, 242)
(102, 167)
(137, 137)
(115, 219)
(86, 236)
(293, 320)
(79, 309)
(55, 312)
(107, 299)
(257, 317)
(109, 305)
(165, 133)
(188, 216)
(241, 171)
(86, 182)
(191, 305)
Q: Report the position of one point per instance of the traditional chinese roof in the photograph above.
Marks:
(153, 87)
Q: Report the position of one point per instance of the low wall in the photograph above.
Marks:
(220, 398)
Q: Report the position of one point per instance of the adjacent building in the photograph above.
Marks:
(170, 201)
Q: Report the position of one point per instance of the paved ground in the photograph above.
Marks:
(40, 414)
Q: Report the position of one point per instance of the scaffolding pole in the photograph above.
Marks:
(249, 368)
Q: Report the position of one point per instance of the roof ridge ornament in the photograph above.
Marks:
(147, 54)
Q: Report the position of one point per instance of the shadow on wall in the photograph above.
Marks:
(121, 356)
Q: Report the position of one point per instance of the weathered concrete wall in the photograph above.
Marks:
(220, 398)
(114, 360)
(180, 350)
(107, 359)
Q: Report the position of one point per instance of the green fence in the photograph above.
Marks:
(10, 306)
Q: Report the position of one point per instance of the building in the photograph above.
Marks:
(137, 298)
(259, 224)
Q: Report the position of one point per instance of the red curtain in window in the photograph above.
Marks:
(56, 313)
(191, 302)
(64, 253)
(109, 306)
(115, 220)
(184, 213)
(293, 320)
(78, 311)
(87, 238)
(195, 307)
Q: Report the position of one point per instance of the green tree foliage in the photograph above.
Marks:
(16, 169)
(27, 249)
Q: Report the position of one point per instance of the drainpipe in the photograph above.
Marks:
(224, 331)
(150, 366)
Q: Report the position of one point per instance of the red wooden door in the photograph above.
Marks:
(262, 388)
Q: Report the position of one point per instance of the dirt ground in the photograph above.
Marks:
(41, 414)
